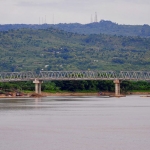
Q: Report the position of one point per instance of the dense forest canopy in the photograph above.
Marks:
(53, 49)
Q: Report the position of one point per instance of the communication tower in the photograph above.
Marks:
(45, 19)
(39, 20)
(91, 19)
(95, 19)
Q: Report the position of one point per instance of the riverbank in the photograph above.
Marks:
(69, 94)
(112, 94)
(44, 94)
(90, 94)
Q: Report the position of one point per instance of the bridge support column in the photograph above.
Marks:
(117, 87)
(37, 86)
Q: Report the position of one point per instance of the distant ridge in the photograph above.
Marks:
(105, 27)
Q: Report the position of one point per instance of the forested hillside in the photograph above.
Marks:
(53, 49)
(105, 27)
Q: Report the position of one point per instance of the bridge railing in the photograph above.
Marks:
(17, 76)
(134, 75)
(74, 75)
(109, 75)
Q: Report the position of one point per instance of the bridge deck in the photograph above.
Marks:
(74, 75)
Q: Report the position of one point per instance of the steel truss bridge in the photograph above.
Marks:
(38, 78)
(74, 75)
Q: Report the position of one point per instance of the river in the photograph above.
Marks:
(75, 123)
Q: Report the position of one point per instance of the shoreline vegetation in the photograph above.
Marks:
(74, 88)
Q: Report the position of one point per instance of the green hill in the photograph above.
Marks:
(105, 27)
(53, 49)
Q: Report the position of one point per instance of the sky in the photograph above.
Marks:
(133, 12)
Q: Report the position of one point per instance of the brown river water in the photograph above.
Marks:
(75, 123)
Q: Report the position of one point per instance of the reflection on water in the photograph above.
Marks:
(75, 123)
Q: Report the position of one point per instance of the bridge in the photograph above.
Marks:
(38, 78)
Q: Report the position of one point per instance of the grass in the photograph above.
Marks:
(27, 92)
(140, 91)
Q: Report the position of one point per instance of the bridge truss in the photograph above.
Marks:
(74, 75)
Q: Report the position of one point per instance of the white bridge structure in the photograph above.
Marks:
(38, 78)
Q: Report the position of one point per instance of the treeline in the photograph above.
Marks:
(76, 86)
(104, 26)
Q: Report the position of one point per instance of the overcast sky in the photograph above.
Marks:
(71, 11)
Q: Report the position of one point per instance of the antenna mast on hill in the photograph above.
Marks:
(91, 19)
(53, 19)
(45, 19)
(39, 21)
(95, 19)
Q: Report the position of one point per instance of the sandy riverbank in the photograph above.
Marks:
(43, 94)
(91, 94)
(69, 94)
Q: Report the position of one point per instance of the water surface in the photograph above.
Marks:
(75, 123)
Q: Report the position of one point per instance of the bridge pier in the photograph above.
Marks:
(37, 86)
(117, 87)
